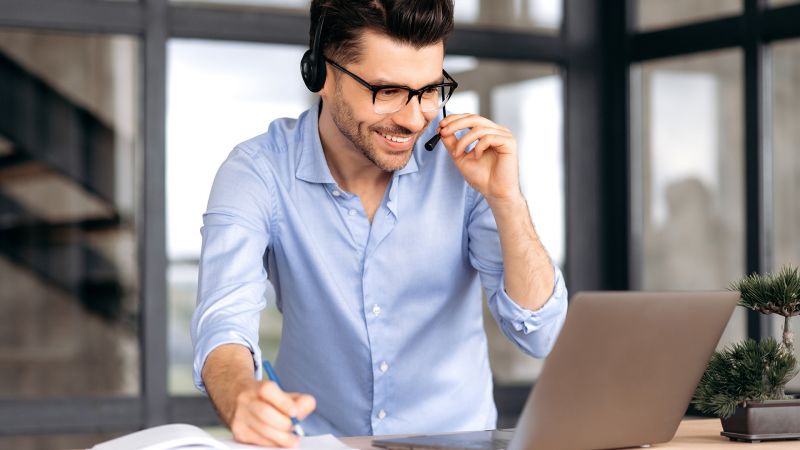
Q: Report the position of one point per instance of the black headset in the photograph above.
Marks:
(312, 66)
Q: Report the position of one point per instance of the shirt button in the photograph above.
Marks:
(376, 310)
(352, 212)
(384, 366)
(336, 193)
(381, 414)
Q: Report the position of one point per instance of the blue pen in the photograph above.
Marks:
(296, 428)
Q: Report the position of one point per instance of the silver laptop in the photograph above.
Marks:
(621, 374)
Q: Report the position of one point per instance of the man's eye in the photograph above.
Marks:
(388, 93)
(430, 92)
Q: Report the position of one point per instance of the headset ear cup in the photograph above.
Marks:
(307, 70)
(312, 66)
(319, 71)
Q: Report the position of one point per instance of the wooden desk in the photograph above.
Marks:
(698, 434)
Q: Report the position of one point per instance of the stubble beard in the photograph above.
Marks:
(360, 136)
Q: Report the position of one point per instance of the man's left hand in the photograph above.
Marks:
(492, 166)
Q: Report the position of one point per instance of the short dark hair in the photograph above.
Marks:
(419, 23)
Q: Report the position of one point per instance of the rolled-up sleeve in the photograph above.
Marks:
(232, 277)
(534, 332)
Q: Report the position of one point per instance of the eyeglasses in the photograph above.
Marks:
(388, 99)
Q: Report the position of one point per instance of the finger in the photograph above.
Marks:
(468, 121)
(270, 392)
(269, 416)
(486, 142)
(246, 434)
(450, 118)
(268, 436)
(304, 403)
(473, 135)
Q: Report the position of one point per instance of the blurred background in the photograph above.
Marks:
(658, 142)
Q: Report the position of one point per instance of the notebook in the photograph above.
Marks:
(183, 436)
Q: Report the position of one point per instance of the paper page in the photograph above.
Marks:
(323, 442)
(162, 438)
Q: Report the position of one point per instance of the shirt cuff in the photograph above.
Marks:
(213, 340)
(525, 320)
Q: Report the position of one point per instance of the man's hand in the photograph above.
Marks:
(262, 415)
(257, 412)
(492, 167)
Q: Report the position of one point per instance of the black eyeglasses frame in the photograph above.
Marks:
(451, 84)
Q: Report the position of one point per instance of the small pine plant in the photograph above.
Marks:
(754, 371)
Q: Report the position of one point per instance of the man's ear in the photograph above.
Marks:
(329, 88)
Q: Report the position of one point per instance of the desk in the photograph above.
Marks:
(697, 434)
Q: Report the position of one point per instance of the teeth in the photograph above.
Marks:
(396, 138)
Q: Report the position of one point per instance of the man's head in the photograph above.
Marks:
(382, 42)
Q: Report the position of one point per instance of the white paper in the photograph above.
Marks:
(183, 436)
(323, 442)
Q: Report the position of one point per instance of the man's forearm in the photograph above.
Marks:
(228, 370)
(529, 273)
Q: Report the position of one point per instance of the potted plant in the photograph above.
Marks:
(744, 383)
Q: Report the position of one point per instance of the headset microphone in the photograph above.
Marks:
(435, 139)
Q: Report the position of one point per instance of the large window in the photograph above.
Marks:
(692, 178)
(218, 95)
(68, 192)
(649, 157)
(786, 167)
(231, 92)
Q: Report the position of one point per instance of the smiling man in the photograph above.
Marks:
(377, 248)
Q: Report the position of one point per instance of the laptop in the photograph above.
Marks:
(621, 374)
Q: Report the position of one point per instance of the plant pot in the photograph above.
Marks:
(764, 421)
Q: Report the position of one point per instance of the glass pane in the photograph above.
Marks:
(527, 98)
(786, 168)
(652, 14)
(302, 5)
(534, 15)
(68, 190)
(247, 92)
(231, 91)
(692, 187)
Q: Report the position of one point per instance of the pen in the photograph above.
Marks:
(296, 428)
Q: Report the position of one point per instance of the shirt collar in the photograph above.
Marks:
(313, 167)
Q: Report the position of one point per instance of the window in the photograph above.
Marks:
(68, 195)
(692, 186)
(247, 93)
(527, 98)
(219, 94)
(786, 163)
(653, 14)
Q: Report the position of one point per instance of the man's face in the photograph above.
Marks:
(386, 140)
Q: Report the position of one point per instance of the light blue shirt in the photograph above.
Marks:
(382, 322)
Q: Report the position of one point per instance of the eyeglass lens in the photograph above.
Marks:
(391, 100)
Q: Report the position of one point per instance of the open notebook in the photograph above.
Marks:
(179, 435)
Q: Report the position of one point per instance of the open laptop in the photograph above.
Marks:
(621, 374)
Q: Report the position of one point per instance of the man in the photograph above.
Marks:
(376, 247)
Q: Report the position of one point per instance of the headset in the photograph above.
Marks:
(314, 70)
(312, 66)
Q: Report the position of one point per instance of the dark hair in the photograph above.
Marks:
(415, 22)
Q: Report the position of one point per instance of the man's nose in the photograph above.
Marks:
(410, 116)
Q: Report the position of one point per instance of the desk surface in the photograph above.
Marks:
(700, 434)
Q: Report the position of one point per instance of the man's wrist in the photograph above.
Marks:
(508, 205)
